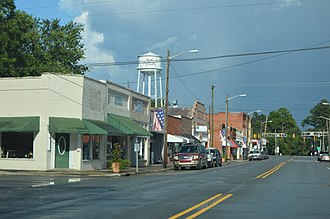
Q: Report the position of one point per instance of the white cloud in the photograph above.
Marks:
(277, 6)
(163, 45)
(283, 4)
(92, 41)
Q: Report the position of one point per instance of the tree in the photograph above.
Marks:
(256, 121)
(18, 40)
(30, 46)
(283, 122)
(314, 121)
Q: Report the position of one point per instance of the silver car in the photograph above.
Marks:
(255, 155)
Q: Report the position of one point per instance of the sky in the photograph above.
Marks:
(118, 31)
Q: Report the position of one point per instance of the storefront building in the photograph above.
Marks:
(66, 121)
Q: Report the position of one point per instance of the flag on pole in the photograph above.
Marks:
(158, 124)
(223, 135)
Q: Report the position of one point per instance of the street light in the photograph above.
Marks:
(212, 118)
(265, 130)
(328, 128)
(227, 100)
(168, 59)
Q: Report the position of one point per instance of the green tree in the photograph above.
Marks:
(283, 122)
(256, 121)
(30, 46)
(314, 121)
(18, 41)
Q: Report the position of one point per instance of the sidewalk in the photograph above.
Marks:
(104, 172)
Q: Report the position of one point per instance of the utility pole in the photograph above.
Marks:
(225, 151)
(212, 116)
(166, 108)
(168, 59)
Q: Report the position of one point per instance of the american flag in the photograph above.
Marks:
(158, 124)
(223, 135)
(244, 142)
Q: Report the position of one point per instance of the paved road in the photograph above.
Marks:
(281, 187)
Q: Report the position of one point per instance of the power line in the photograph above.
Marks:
(281, 52)
(165, 10)
(294, 84)
(187, 88)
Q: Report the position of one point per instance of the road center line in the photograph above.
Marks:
(194, 207)
(210, 206)
(271, 171)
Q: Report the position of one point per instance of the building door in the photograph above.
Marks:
(62, 145)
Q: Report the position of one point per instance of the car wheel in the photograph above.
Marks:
(176, 168)
(199, 165)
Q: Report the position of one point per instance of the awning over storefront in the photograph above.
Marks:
(94, 129)
(175, 139)
(109, 128)
(66, 125)
(233, 144)
(127, 125)
(19, 124)
(84, 126)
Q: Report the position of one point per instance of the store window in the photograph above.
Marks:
(96, 146)
(17, 145)
(91, 147)
(86, 147)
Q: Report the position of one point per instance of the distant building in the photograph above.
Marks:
(199, 122)
(237, 123)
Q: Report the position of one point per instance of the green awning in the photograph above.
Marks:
(127, 125)
(19, 124)
(94, 129)
(66, 125)
(112, 131)
(75, 125)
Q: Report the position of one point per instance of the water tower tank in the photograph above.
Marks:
(149, 73)
(149, 63)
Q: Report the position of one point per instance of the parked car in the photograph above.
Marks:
(320, 154)
(255, 155)
(264, 155)
(214, 157)
(192, 156)
(325, 157)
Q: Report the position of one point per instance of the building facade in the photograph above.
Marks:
(237, 129)
(69, 121)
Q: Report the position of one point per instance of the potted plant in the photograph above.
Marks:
(117, 163)
(116, 158)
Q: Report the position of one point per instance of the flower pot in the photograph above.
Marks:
(116, 167)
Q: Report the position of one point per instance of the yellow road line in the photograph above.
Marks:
(271, 171)
(208, 207)
(277, 168)
(194, 207)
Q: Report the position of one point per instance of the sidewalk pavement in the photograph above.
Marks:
(104, 172)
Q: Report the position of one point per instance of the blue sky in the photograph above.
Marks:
(119, 31)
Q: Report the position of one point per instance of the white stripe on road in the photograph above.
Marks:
(71, 180)
(43, 184)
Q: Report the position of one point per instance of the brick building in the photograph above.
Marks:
(237, 126)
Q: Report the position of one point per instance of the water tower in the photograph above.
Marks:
(149, 73)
